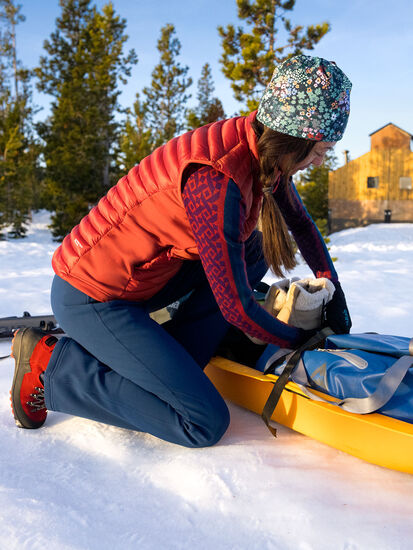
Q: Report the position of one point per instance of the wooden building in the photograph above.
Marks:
(375, 187)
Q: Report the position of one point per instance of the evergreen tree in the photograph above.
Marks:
(209, 108)
(166, 97)
(82, 70)
(249, 56)
(136, 140)
(18, 150)
(312, 186)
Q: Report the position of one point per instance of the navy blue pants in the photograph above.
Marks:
(120, 367)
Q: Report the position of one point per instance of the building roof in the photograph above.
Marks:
(391, 124)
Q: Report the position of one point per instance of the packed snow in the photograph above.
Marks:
(80, 485)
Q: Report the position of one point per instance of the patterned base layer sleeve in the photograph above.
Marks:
(216, 214)
(305, 232)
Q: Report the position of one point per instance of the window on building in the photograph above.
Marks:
(372, 183)
(405, 182)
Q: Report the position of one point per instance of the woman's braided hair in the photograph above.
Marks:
(277, 151)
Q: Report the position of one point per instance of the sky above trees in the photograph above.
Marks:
(87, 79)
(371, 42)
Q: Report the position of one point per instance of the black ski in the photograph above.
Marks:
(8, 325)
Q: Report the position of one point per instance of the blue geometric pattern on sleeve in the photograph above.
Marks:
(201, 198)
(204, 198)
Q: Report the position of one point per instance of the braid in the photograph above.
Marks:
(277, 151)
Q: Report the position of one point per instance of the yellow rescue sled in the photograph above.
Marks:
(373, 437)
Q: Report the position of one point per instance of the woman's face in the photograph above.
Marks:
(316, 156)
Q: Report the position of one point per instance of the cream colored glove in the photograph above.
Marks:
(298, 302)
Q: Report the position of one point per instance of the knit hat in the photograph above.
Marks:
(307, 97)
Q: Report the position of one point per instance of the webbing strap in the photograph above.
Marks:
(276, 359)
(279, 385)
(387, 387)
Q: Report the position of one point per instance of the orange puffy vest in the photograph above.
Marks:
(136, 238)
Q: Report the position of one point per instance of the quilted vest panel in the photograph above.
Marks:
(135, 239)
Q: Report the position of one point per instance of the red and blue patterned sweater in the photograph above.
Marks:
(216, 214)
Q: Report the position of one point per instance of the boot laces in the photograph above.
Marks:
(37, 404)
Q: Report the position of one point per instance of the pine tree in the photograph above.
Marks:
(82, 70)
(18, 150)
(166, 98)
(209, 108)
(312, 186)
(249, 56)
(136, 140)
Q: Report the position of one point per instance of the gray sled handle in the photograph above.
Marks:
(385, 390)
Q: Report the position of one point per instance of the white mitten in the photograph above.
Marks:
(305, 301)
(277, 295)
(298, 302)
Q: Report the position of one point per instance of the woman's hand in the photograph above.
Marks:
(337, 314)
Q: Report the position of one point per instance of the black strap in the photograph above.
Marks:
(285, 355)
(279, 385)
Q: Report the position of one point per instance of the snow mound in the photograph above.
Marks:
(81, 485)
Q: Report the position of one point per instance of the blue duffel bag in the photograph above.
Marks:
(366, 372)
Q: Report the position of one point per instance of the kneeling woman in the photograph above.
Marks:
(183, 224)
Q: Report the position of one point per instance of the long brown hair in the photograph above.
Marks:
(277, 151)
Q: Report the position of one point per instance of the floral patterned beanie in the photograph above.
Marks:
(307, 97)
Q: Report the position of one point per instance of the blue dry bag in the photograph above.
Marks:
(367, 372)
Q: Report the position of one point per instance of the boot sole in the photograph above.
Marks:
(23, 346)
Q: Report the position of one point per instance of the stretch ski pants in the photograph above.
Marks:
(120, 367)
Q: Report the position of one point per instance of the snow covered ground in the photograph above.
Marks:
(76, 484)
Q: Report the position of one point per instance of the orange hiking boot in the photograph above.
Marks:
(31, 349)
